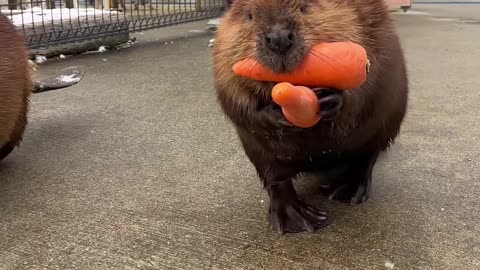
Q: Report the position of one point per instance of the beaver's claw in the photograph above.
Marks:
(330, 101)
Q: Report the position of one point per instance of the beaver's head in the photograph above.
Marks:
(279, 33)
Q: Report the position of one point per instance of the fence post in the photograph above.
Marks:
(69, 3)
(114, 4)
(106, 4)
(12, 4)
(198, 5)
(50, 4)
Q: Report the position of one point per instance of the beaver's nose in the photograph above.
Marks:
(280, 41)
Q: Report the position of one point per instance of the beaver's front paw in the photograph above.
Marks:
(273, 118)
(330, 102)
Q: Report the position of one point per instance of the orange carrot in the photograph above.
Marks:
(340, 65)
(299, 104)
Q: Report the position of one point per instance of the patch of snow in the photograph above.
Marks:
(69, 78)
(389, 265)
(39, 15)
(128, 44)
(40, 59)
(61, 56)
(214, 22)
(212, 41)
(443, 19)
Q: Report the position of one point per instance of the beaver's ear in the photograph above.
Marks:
(249, 15)
(303, 8)
(240, 9)
(236, 7)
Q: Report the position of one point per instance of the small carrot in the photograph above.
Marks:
(299, 104)
(340, 65)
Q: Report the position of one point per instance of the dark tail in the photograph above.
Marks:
(68, 77)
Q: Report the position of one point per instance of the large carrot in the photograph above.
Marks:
(299, 104)
(340, 65)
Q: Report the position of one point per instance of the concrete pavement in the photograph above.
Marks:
(136, 168)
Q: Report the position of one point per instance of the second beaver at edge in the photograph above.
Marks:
(17, 84)
(357, 125)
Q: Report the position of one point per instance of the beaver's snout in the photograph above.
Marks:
(280, 41)
(280, 48)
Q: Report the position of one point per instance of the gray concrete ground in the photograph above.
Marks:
(464, 11)
(136, 168)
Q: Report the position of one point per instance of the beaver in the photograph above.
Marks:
(17, 84)
(356, 125)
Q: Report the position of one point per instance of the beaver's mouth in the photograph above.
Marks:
(283, 67)
(281, 63)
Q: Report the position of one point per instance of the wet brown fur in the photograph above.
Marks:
(371, 116)
(15, 86)
(368, 109)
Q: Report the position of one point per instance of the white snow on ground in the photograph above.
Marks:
(37, 15)
(211, 43)
(40, 59)
(389, 265)
(69, 78)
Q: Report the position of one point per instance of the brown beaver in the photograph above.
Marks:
(16, 85)
(356, 125)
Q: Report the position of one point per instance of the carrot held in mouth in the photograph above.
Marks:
(339, 65)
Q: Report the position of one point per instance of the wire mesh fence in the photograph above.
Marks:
(51, 22)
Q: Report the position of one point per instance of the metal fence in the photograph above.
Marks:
(52, 22)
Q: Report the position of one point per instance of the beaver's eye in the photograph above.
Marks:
(249, 16)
